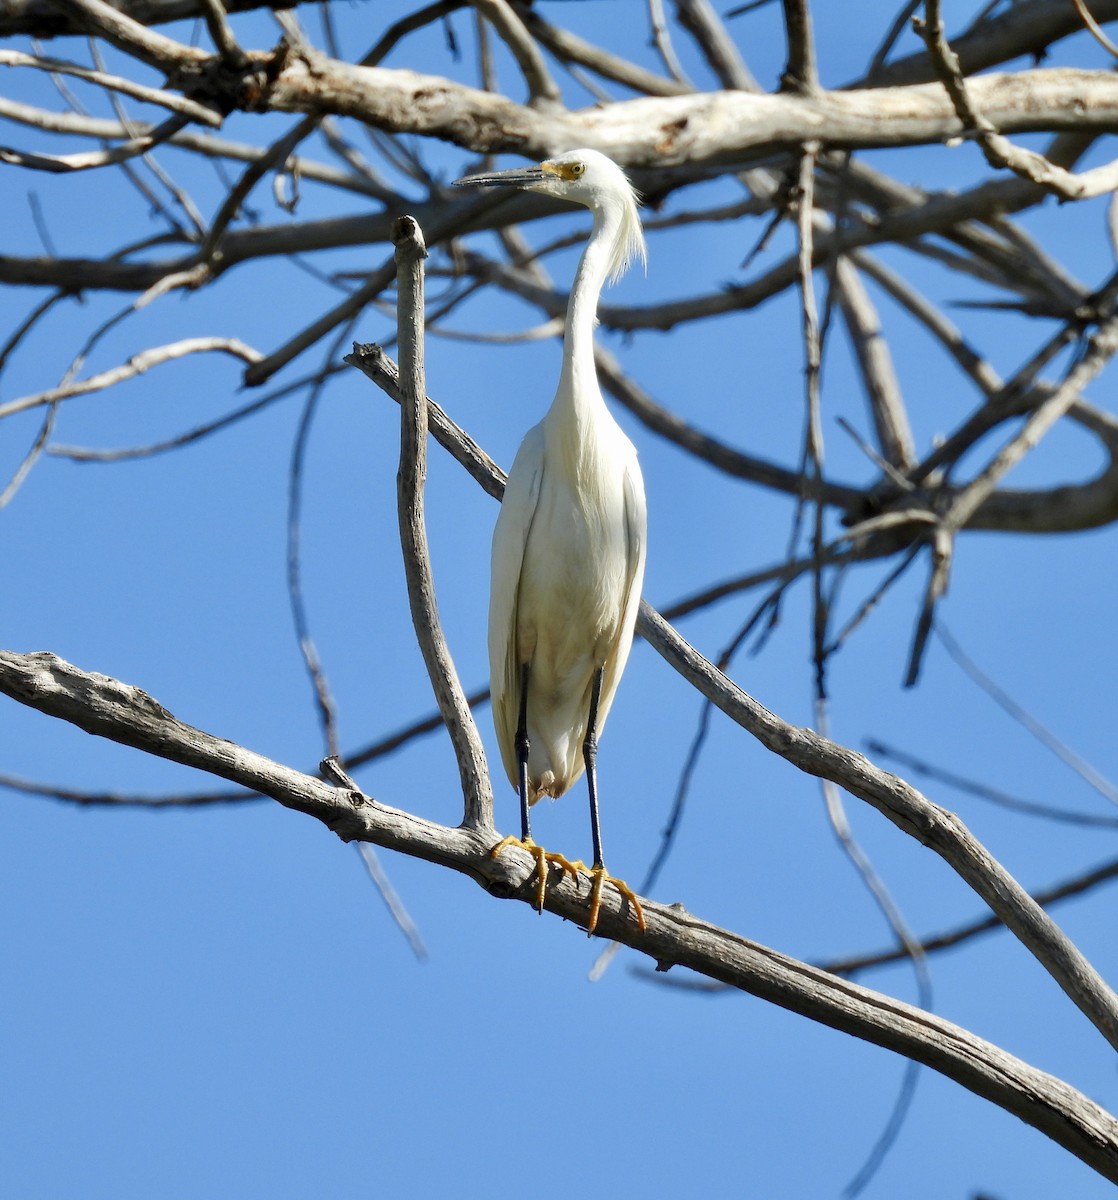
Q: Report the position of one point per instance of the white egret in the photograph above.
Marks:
(569, 545)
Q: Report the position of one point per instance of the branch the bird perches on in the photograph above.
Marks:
(111, 709)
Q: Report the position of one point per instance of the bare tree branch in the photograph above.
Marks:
(136, 365)
(108, 708)
(1000, 151)
(45, 19)
(911, 812)
(65, 163)
(542, 89)
(476, 788)
(855, 964)
(117, 83)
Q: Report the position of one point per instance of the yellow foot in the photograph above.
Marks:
(543, 858)
(601, 876)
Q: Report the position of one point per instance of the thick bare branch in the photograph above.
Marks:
(696, 128)
(108, 708)
(911, 812)
(105, 20)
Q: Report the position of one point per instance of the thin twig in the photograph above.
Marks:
(195, 434)
(324, 702)
(393, 902)
(570, 48)
(943, 330)
(1095, 29)
(136, 365)
(662, 40)
(31, 457)
(1092, 777)
(888, 412)
(1098, 351)
(982, 791)
(542, 89)
(332, 769)
(63, 164)
(1078, 886)
(115, 83)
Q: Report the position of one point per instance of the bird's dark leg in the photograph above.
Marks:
(590, 757)
(542, 857)
(598, 871)
(522, 748)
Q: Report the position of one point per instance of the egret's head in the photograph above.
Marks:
(585, 177)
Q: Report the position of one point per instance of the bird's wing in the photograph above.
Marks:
(636, 527)
(636, 534)
(510, 536)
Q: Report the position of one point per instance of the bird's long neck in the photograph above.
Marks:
(578, 382)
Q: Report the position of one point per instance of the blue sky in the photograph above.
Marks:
(214, 1002)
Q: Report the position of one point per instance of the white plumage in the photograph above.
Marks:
(569, 545)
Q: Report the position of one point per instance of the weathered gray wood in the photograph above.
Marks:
(911, 812)
(410, 479)
(673, 937)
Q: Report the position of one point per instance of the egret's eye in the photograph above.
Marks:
(568, 171)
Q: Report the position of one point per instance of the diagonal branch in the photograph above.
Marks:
(569, 47)
(853, 964)
(883, 390)
(156, 49)
(108, 708)
(115, 83)
(999, 150)
(913, 813)
(542, 89)
(373, 362)
(222, 33)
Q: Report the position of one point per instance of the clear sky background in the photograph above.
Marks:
(214, 1002)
